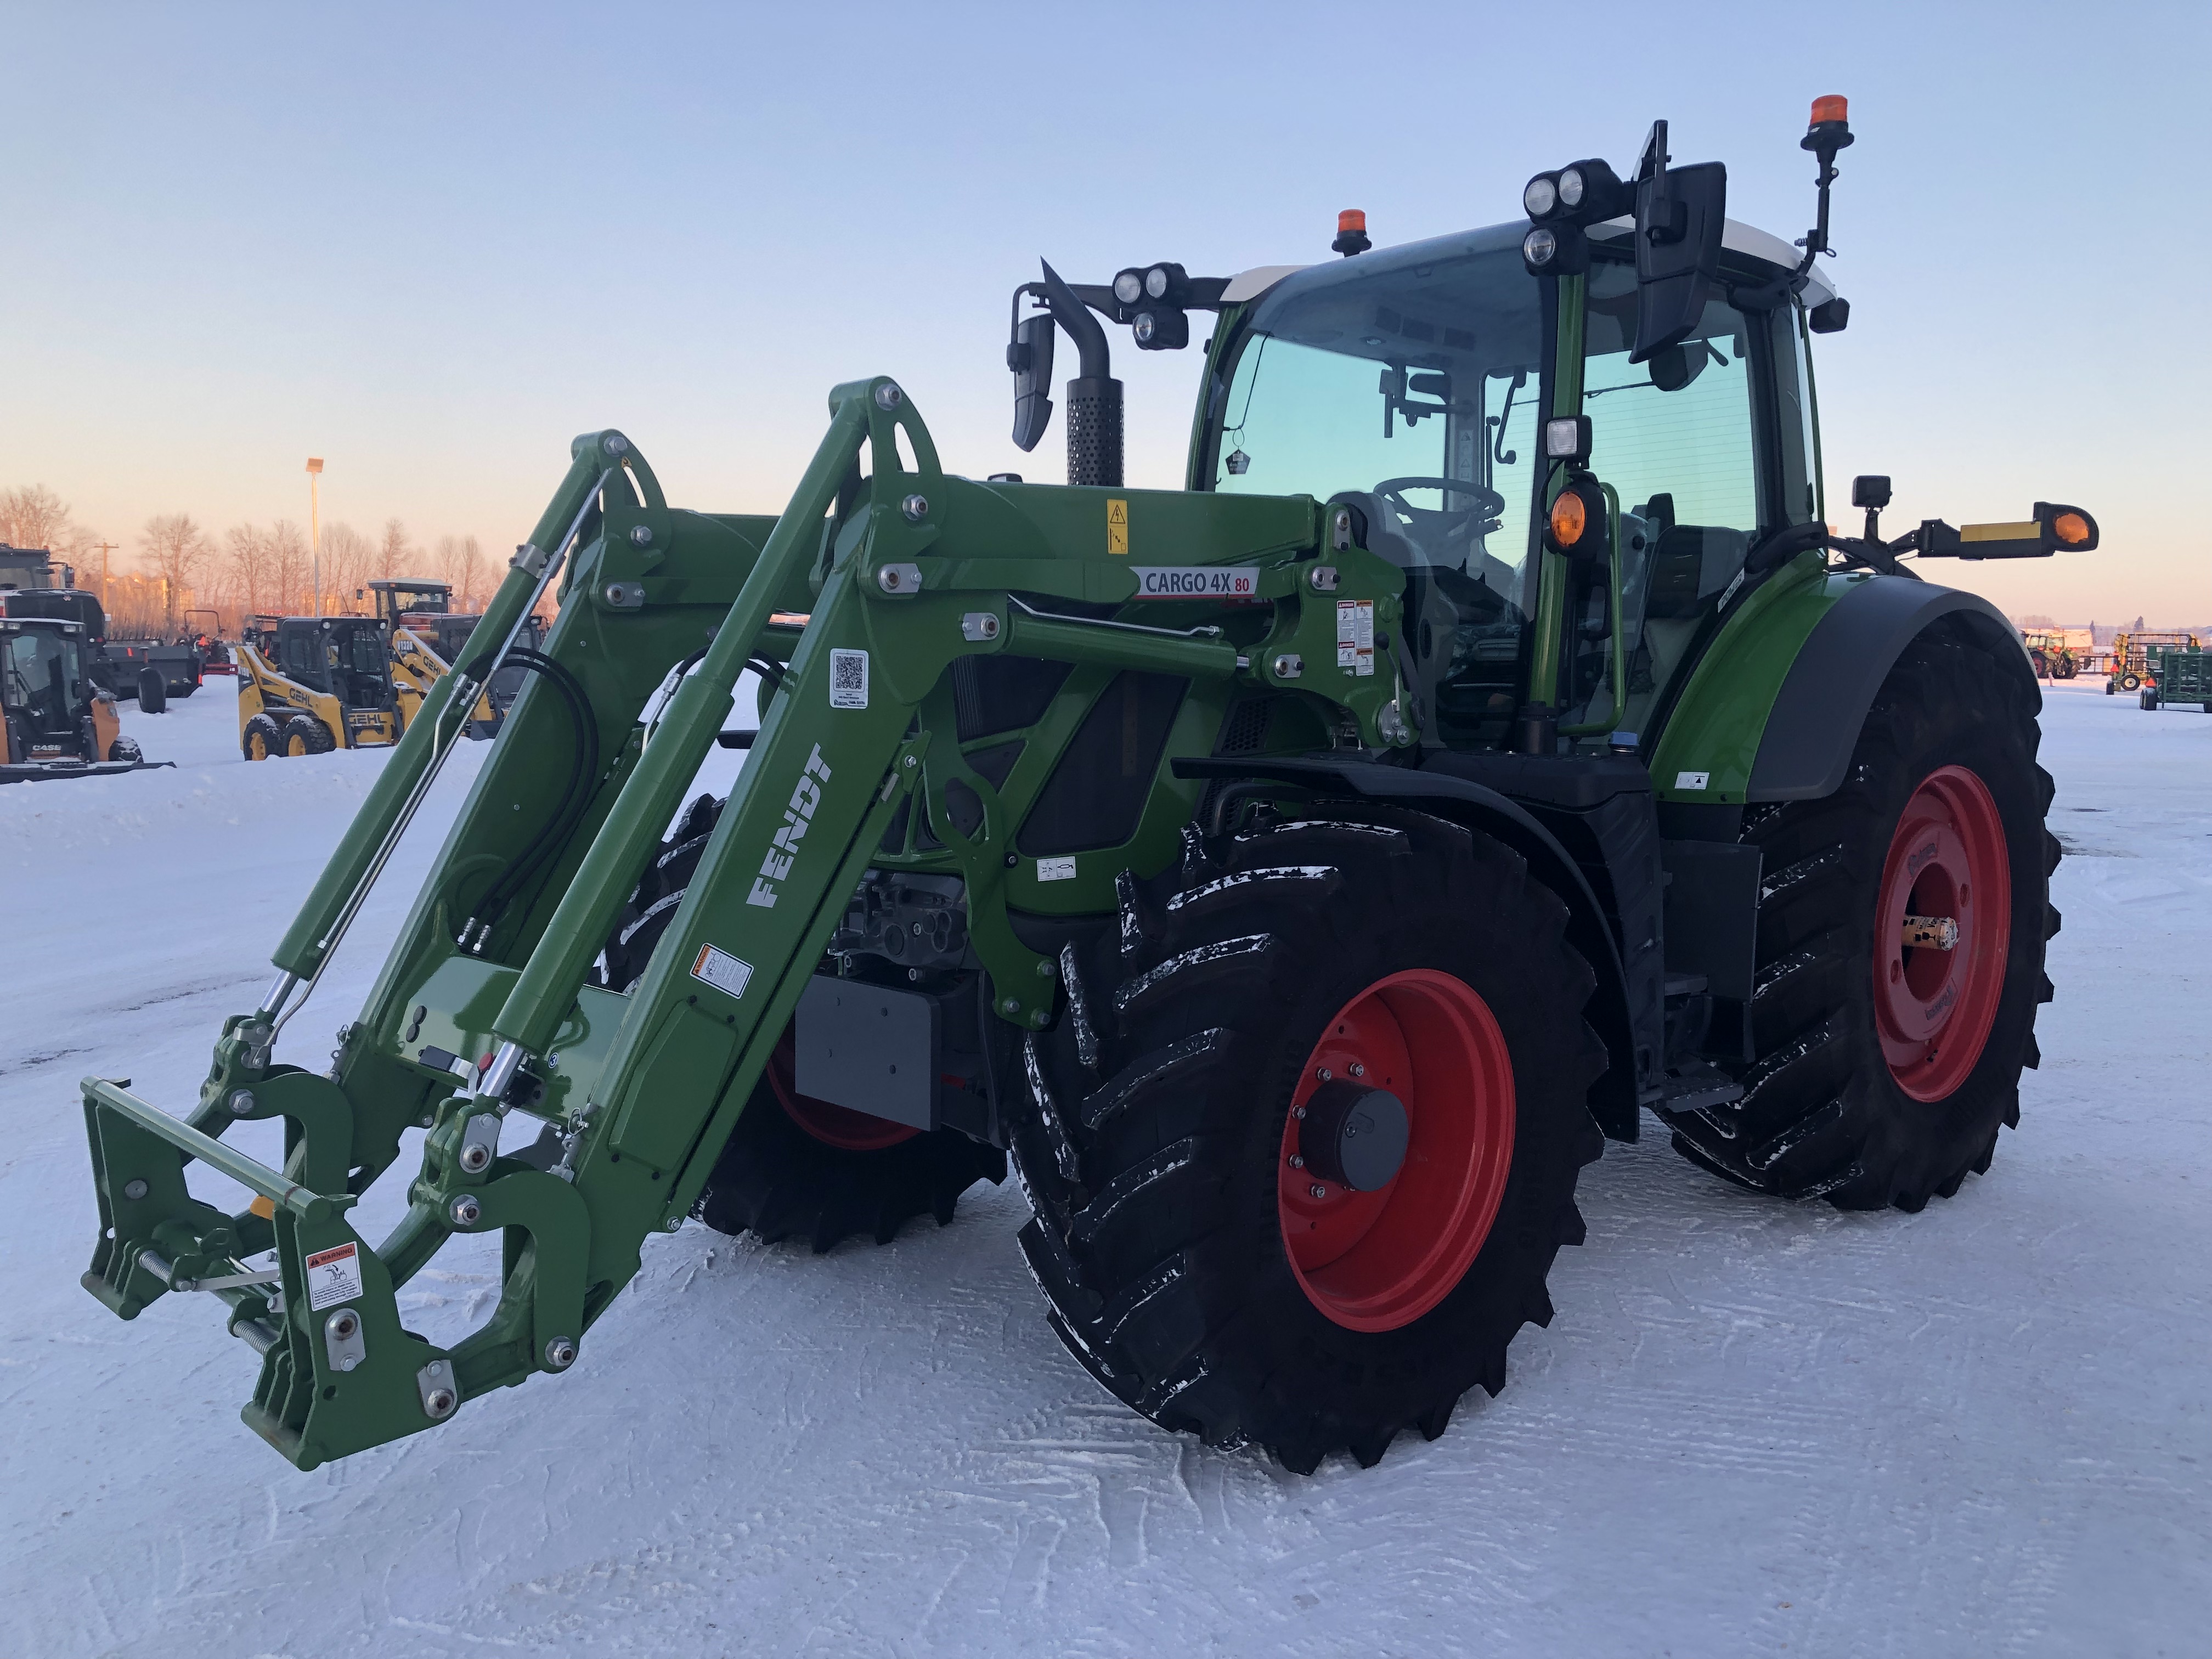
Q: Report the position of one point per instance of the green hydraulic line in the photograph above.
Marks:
(546, 990)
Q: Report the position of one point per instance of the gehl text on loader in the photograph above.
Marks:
(1298, 874)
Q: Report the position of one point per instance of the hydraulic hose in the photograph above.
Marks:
(584, 766)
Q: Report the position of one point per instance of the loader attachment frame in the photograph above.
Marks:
(857, 600)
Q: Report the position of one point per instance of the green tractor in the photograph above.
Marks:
(1298, 875)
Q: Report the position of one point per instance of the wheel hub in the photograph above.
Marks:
(1353, 1135)
(1395, 1151)
(1942, 924)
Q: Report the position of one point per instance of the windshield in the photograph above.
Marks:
(1404, 382)
(41, 674)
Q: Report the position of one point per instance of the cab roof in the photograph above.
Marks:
(1736, 237)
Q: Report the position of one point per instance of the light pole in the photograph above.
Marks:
(315, 526)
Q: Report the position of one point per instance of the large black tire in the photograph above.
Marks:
(153, 692)
(1154, 1157)
(303, 734)
(261, 738)
(125, 749)
(777, 1176)
(1824, 1113)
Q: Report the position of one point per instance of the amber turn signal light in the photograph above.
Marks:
(2070, 528)
(1570, 519)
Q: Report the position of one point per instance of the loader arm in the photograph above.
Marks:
(485, 1012)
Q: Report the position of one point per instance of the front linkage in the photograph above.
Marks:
(485, 1008)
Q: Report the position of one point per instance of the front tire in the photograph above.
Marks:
(1200, 1274)
(303, 734)
(795, 1166)
(1885, 1068)
(262, 738)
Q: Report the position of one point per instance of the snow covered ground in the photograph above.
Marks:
(1753, 1429)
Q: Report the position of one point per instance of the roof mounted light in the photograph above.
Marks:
(1129, 286)
(1540, 196)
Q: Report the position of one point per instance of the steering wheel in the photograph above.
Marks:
(1488, 509)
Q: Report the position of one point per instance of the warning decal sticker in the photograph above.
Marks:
(1118, 526)
(1355, 636)
(333, 1276)
(725, 972)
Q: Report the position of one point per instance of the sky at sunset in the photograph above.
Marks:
(431, 243)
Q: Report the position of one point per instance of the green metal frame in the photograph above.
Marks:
(644, 1089)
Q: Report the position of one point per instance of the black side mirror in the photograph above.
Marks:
(1679, 216)
(1030, 358)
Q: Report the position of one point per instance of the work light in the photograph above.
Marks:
(1538, 247)
(1540, 196)
(1156, 282)
(1129, 287)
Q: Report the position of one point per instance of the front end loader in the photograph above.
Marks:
(1298, 875)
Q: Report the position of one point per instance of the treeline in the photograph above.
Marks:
(174, 566)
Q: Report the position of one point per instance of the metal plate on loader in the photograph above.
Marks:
(868, 1048)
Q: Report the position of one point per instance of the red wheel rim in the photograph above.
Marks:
(833, 1125)
(1376, 1260)
(1933, 1008)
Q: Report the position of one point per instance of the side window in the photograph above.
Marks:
(1679, 438)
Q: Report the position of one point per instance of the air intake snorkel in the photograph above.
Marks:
(1094, 397)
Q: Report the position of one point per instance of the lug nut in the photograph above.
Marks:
(1324, 1074)
(1317, 1191)
(1357, 1069)
(466, 1212)
(1298, 1111)
(559, 1354)
(1296, 1162)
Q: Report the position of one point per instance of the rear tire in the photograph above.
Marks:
(794, 1166)
(1885, 1072)
(303, 734)
(125, 749)
(262, 738)
(1172, 1236)
(153, 692)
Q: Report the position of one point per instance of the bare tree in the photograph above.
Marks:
(32, 515)
(394, 552)
(461, 563)
(174, 548)
(247, 564)
(347, 558)
(289, 567)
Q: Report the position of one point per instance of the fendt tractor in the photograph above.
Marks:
(1298, 875)
(307, 685)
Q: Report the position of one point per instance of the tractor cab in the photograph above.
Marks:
(1583, 436)
(342, 657)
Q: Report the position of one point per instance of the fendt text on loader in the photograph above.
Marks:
(1298, 875)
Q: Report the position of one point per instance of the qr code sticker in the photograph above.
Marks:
(848, 679)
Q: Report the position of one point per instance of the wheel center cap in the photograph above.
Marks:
(1353, 1135)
